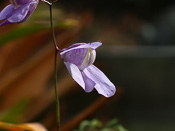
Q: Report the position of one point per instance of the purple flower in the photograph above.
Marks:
(79, 59)
(17, 11)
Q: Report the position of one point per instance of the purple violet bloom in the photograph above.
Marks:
(79, 59)
(17, 11)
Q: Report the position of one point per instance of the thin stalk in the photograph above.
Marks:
(56, 91)
(55, 69)
(52, 28)
(55, 63)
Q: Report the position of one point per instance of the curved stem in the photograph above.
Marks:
(55, 69)
(52, 27)
(55, 63)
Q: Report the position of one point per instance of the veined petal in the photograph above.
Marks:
(75, 73)
(82, 57)
(75, 56)
(6, 12)
(92, 45)
(103, 85)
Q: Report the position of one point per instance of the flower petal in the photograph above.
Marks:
(75, 56)
(22, 13)
(75, 73)
(89, 59)
(92, 45)
(5, 22)
(103, 85)
(19, 14)
(82, 57)
(89, 84)
(6, 12)
(33, 6)
(21, 2)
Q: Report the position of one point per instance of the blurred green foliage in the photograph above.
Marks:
(96, 125)
(37, 22)
(25, 30)
(13, 114)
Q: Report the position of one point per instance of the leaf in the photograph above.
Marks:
(111, 123)
(96, 125)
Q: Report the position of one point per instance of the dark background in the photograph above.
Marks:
(138, 56)
(145, 74)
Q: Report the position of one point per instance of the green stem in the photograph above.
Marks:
(52, 27)
(56, 91)
(55, 63)
(55, 69)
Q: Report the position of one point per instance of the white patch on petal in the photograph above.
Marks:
(88, 60)
(75, 73)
